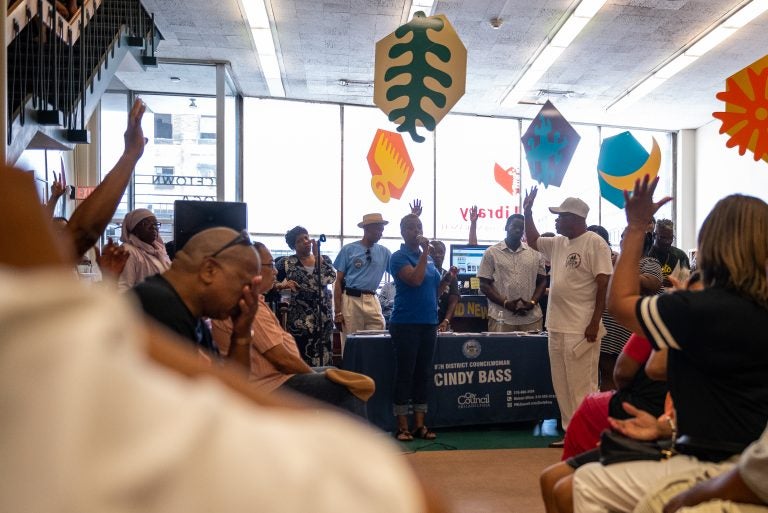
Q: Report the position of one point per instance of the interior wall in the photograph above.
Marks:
(721, 171)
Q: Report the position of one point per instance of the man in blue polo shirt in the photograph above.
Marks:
(360, 266)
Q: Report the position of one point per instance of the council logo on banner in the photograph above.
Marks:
(472, 400)
(471, 348)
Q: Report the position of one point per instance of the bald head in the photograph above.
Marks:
(211, 286)
(210, 241)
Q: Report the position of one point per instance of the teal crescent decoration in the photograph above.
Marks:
(622, 161)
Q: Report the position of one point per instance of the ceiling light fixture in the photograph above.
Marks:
(704, 43)
(175, 79)
(426, 6)
(562, 36)
(258, 21)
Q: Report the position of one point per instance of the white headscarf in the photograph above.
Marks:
(133, 218)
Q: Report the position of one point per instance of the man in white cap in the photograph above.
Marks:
(360, 266)
(581, 267)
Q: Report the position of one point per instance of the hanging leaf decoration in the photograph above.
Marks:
(420, 73)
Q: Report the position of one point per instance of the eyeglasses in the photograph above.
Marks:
(270, 264)
(368, 255)
(146, 222)
(243, 238)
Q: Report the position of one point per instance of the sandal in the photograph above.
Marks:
(403, 435)
(424, 433)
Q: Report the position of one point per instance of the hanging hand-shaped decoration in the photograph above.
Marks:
(390, 164)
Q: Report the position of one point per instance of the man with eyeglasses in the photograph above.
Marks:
(581, 266)
(213, 276)
(360, 266)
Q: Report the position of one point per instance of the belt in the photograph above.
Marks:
(357, 292)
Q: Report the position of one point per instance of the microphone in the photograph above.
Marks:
(321, 238)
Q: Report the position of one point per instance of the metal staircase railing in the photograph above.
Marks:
(56, 67)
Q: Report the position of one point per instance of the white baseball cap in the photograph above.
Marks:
(571, 206)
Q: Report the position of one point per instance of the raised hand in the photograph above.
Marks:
(473, 214)
(415, 207)
(639, 206)
(530, 197)
(59, 185)
(134, 135)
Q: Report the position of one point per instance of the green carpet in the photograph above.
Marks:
(508, 436)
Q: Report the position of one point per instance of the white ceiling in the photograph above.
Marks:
(322, 42)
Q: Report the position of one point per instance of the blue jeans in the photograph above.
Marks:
(317, 386)
(414, 349)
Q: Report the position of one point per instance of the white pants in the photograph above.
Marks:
(360, 313)
(573, 360)
(663, 491)
(599, 488)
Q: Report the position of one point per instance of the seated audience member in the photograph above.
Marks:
(215, 276)
(736, 487)
(146, 250)
(591, 419)
(617, 335)
(133, 434)
(273, 356)
(717, 366)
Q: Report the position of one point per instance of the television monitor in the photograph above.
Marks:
(466, 258)
(191, 217)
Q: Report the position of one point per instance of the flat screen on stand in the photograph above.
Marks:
(466, 258)
(191, 217)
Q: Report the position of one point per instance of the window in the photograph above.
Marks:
(478, 163)
(208, 128)
(292, 167)
(163, 126)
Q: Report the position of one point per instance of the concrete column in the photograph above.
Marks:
(685, 190)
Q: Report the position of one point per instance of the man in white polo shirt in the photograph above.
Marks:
(581, 267)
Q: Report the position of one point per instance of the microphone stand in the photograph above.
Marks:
(320, 296)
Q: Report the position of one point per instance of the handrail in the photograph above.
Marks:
(18, 13)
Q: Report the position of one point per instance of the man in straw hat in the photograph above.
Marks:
(360, 266)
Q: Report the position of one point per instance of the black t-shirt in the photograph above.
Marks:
(718, 361)
(161, 301)
(670, 260)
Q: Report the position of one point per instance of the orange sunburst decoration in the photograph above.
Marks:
(746, 109)
(390, 165)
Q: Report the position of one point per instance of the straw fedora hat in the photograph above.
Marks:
(372, 219)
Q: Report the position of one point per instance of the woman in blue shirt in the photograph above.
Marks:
(413, 327)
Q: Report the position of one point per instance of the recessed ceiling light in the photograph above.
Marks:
(175, 79)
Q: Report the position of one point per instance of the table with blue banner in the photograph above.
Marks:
(478, 378)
